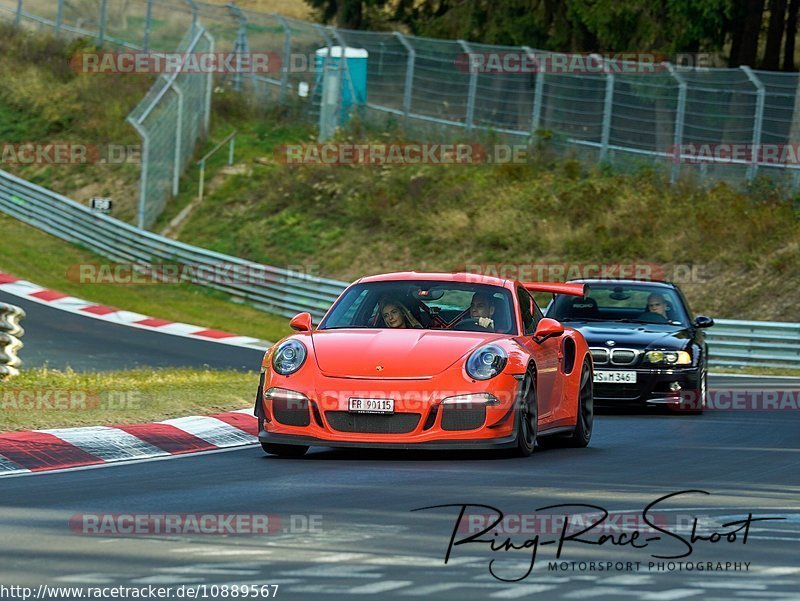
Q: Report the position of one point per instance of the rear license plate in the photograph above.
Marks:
(615, 377)
(371, 405)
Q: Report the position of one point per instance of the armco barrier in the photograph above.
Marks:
(754, 343)
(285, 292)
(10, 334)
(279, 291)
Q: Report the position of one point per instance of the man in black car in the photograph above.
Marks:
(656, 309)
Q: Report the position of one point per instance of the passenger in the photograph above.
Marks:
(396, 315)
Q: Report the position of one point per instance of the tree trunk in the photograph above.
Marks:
(777, 18)
(750, 29)
(350, 14)
(791, 32)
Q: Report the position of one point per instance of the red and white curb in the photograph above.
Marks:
(62, 448)
(31, 292)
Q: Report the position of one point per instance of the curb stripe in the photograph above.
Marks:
(39, 451)
(246, 423)
(49, 295)
(213, 430)
(99, 310)
(168, 438)
(9, 467)
(109, 444)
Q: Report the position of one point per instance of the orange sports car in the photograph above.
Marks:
(429, 361)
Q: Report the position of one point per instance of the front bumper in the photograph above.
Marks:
(652, 387)
(420, 419)
(505, 442)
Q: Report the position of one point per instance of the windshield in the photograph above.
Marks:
(612, 302)
(428, 305)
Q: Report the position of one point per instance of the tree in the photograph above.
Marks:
(772, 52)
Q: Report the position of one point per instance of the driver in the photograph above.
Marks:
(656, 308)
(482, 309)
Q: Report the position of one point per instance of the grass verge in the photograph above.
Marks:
(32, 255)
(46, 398)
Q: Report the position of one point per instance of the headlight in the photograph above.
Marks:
(668, 357)
(486, 362)
(289, 357)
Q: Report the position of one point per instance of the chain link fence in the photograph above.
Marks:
(717, 124)
(174, 115)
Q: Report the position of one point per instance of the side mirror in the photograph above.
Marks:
(547, 328)
(701, 321)
(301, 322)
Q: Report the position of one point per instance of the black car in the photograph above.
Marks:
(647, 347)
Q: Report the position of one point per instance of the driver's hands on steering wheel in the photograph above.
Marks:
(486, 322)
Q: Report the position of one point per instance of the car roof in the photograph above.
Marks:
(632, 283)
(471, 278)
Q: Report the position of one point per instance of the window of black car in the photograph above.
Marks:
(433, 305)
(619, 303)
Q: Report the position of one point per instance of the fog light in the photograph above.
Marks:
(675, 386)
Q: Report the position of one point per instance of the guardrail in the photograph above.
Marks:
(736, 343)
(10, 339)
(286, 292)
(280, 291)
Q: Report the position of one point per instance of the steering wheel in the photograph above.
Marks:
(470, 324)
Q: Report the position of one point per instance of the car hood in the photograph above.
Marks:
(644, 336)
(388, 353)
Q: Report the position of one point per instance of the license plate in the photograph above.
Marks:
(615, 377)
(371, 405)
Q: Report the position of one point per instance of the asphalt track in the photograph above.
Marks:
(60, 339)
(354, 534)
(366, 542)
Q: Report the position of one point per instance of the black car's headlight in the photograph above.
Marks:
(289, 357)
(668, 357)
(486, 362)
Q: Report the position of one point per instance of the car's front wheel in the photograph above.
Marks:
(527, 416)
(284, 450)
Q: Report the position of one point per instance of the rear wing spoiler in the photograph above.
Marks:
(557, 288)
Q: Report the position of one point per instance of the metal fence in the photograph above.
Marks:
(660, 115)
(174, 115)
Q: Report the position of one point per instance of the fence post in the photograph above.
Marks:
(148, 23)
(140, 209)
(241, 44)
(536, 114)
(209, 86)
(473, 86)
(755, 151)
(193, 6)
(287, 57)
(177, 167)
(18, 18)
(608, 108)
(328, 122)
(680, 118)
(101, 29)
(408, 87)
(59, 16)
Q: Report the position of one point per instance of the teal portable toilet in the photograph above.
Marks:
(349, 95)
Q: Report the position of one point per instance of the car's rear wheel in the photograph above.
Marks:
(284, 450)
(582, 433)
(527, 416)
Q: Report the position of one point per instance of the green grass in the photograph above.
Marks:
(32, 255)
(46, 398)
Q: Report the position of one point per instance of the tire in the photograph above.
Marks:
(284, 450)
(702, 393)
(582, 433)
(527, 416)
